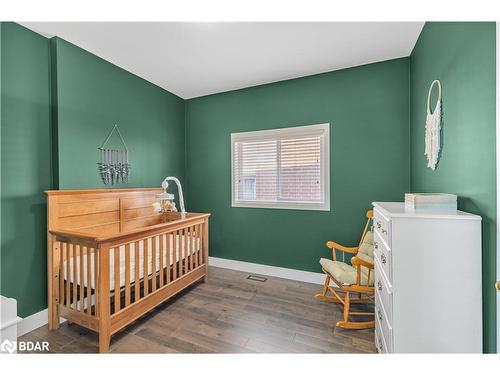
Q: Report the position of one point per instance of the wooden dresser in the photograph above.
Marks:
(428, 295)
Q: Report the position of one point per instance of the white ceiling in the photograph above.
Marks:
(194, 59)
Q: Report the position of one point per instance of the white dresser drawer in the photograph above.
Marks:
(384, 256)
(383, 290)
(382, 321)
(379, 340)
(382, 226)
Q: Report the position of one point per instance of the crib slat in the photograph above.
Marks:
(168, 249)
(195, 241)
(182, 237)
(116, 252)
(200, 251)
(186, 250)
(181, 252)
(127, 274)
(89, 284)
(61, 273)
(67, 273)
(191, 246)
(75, 277)
(96, 282)
(136, 266)
(153, 268)
(145, 278)
(80, 278)
(188, 247)
(162, 268)
(69, 268)
(174, 247)
(198, 245)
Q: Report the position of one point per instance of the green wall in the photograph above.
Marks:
(25, 162)
(92, 96)
(462, 56)
(59, 103)
(367, 108)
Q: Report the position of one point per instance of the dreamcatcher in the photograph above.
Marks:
(114, 167)
(433, 129)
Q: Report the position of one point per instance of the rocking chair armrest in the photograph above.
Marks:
(335, 246)
(360, 262)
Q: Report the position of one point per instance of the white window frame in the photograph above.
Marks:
(286, 133)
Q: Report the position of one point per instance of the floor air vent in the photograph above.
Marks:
(257, 278)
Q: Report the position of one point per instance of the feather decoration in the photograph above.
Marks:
(433, 129)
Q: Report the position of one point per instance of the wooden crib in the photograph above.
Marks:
(111, 258)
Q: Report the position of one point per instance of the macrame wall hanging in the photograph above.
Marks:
(114, 167)
(433, 128)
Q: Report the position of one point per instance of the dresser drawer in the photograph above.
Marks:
(382, 226)
(379, 340)
(383, 291)
(384, 256)
(382, 321)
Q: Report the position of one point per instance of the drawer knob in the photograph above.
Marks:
(379, 313)
(379, 225)
(375, 245)
(383, 259)
(384, 231)
(379, 285)
(380, 344)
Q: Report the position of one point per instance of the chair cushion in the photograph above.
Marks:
(345, 273)
(366, 246)
(365, 251)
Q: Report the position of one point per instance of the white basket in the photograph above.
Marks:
(431, 202)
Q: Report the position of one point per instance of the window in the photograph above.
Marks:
(282, 168)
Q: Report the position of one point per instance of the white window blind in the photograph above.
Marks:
(281, 168)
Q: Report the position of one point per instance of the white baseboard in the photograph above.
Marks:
(34, 321)
(262, 269)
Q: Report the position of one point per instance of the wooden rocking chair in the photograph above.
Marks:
(357, 279)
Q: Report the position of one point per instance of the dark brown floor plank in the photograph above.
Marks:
(229, 314)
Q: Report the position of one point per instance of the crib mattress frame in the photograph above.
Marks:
(95, 226)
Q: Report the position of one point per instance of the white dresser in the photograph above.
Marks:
(428, 296)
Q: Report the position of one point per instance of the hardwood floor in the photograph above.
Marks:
(229, 314)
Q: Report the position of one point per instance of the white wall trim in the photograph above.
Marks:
(34, 321)
(11, 323)
(262, 269)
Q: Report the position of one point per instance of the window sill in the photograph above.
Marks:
(284, 205)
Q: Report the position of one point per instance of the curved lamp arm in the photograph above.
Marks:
(164, 185)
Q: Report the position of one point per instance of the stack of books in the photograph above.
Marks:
(431, 202)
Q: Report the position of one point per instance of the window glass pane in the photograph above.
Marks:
(300, 169)
(257, 161)
(249, 191)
